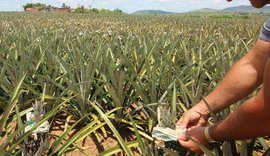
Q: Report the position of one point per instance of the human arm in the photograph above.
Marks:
(249, 120)
(244, 76)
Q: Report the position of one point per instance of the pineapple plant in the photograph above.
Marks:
(38, 142)
(159, 147)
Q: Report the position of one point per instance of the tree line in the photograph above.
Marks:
(79, 9)
(82, 9)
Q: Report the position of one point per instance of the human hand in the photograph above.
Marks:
(197, 134)
(196, 116)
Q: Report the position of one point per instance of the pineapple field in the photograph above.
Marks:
(104, 76)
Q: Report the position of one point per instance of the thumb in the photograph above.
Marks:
(183, 122)
(183, 137)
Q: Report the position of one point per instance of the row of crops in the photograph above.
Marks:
(111, 72)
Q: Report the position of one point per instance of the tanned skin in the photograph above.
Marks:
(252, 118)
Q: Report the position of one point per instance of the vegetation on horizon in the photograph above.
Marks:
(79, 9)
(82, 9)
(39, 6)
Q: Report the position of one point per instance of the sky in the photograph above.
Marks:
(129, 6)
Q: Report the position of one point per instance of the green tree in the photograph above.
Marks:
(94, 10)
(39, 6)
(80, 9)
(28, 5)
(104, 10)
(65, 6)
(118, 11)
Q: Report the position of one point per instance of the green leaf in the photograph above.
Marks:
(11, 104)
(202, 147)
(174, 104)
(117, 135)
(118, 149)
(138, 136)
(213, 115)
(62, 136)
(78, 136)
(26, 134)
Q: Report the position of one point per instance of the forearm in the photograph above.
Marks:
(250, 120)
(239, 82)
(244, 77)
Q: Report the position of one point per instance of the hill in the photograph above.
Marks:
(206, 10)
(151, 12)
(248, 9)
(240, 9)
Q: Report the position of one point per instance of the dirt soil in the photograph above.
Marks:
(90, 143)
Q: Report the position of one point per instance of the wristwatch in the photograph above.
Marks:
(209, 139)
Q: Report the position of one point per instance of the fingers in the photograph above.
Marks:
(180, 124)
(197, 135)
(189, 144)
(183, 122)
(185, 143)
(183, 137)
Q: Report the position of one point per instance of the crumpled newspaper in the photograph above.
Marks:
(42, 128)
(167, 134)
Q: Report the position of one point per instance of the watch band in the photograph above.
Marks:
(210, 140)
(207, 135)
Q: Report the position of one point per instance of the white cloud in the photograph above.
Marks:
(218, 1)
